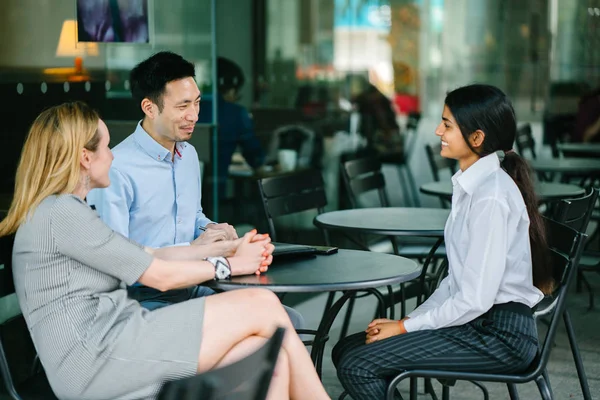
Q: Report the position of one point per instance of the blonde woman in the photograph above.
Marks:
(93, 341)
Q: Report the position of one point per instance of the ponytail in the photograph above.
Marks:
(519, 171)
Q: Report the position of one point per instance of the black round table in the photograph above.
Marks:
(389, 221)
(576, 165)
(579, 149)
(347, 270)
(546, 191)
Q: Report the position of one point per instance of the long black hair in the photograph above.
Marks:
(487, 108)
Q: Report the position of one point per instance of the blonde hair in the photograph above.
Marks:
(50, 160)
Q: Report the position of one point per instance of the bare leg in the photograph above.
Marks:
(280, 384)
(233, 316)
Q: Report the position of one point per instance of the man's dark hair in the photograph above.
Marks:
(229, 75)
(149, 78)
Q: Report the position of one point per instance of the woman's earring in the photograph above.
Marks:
(86, 183)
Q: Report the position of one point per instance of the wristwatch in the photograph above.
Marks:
(222, 268)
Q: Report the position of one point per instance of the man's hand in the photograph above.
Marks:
(384, 328)
(210, 236)
(225, 227)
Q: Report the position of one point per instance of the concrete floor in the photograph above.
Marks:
(563, 376)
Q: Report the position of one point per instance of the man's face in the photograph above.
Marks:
(181, 105)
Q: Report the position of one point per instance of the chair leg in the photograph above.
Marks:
(347, 317)
(588, 287)
(412, 185)
(486, 395)
(429, 389)
(343, 395)
(328, 304)
(544, 388)
(445, 392)
(585, 389)
(413, 388)
(512, 391)
(578, 282)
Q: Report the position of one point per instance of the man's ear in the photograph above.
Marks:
(85, 159)
(476, 139)
(149, 108)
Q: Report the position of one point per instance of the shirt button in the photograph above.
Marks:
(179, 220)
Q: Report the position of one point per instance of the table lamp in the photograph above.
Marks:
(69, 47)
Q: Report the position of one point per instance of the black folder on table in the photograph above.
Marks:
(284, 250)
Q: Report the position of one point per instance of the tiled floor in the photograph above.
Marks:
(562, 372)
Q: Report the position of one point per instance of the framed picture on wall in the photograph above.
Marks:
(113, 21)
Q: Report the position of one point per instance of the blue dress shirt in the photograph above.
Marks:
(153, 198)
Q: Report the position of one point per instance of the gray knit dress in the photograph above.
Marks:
(93, 341)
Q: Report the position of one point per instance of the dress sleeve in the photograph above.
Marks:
(484, 268)
(80, 234)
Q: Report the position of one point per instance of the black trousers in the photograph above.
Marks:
(503, 340)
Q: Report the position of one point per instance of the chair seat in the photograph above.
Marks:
(590, 261)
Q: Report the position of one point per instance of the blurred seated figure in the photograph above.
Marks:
(378, 123)
(587, 122)
(234, 122)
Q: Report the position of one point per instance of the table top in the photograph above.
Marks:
(567, 165)
(579, 149)
(344, 270)
(544, 190)
(395, 221)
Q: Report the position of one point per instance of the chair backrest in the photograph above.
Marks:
(410, 141)
(6, 279)
(291, 193)
(565, 246)
(524, 140)
(246, 379)
(363, 175)
(577, 213)
(7, 288)
(437, 162)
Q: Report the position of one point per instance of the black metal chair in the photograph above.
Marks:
(565, 247)
(524, 140)
(402, 161)
(246, 379)
(577, 213)
(364, 175)
(292, 193)
(438, 163)
(23, 378)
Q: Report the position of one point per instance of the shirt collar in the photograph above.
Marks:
(153, 148)
(470, 179)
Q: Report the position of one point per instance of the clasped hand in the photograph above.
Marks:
(383, 328)
(254, 254)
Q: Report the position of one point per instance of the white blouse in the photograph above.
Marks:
(487, 244)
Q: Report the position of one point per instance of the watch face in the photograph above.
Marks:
(222, 272)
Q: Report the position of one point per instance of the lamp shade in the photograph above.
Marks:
(68, 45)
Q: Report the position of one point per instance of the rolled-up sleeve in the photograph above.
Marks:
(80, 234)
(484, 268)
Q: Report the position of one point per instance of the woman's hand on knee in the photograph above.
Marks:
(384, 328)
